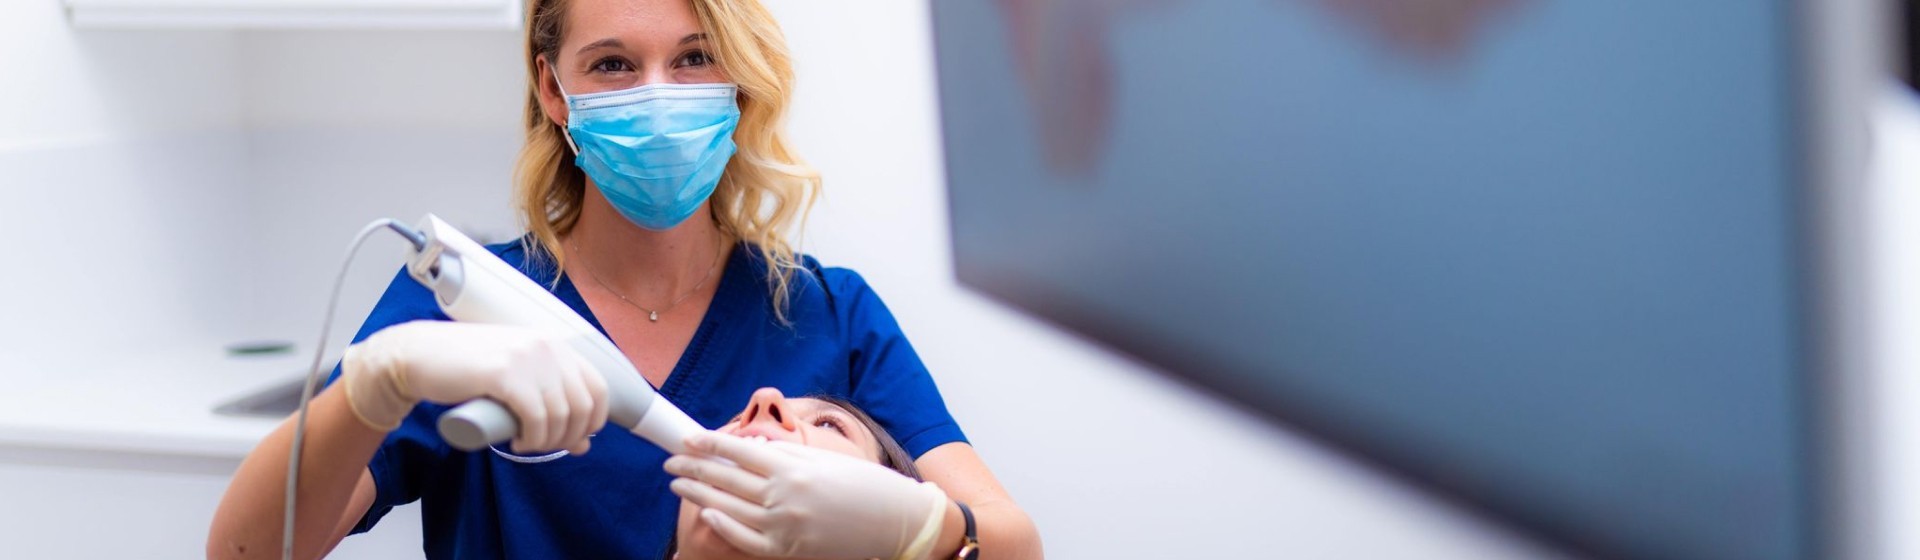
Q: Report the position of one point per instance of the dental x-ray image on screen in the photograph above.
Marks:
(1544, 257)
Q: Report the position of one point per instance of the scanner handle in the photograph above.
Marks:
(482, 422)
(478, 423)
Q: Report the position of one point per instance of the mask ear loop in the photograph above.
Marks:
(564, 132)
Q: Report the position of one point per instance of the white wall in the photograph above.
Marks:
(116, 163)
(68, 87)
(349, 126)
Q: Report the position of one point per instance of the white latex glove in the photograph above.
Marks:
(787, 500)
(555, 393)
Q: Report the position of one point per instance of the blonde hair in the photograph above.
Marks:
(766, 189)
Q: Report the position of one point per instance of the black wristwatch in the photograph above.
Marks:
(970, 548)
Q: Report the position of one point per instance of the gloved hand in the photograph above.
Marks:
(788, 500)
(558, 397)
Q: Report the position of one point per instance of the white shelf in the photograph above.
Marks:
(294, 14)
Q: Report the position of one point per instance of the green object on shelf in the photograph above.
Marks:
(260, 348)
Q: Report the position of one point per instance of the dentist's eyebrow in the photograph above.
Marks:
(607, 42)
(693, 37)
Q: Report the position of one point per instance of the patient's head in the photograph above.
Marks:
(829, 423)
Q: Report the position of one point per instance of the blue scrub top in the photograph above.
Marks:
(613, 502)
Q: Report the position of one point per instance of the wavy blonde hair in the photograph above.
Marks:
(766, 189)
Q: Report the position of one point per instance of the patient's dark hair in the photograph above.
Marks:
(892, 456)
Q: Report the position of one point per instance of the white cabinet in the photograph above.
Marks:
(294, 14)
(64, 511)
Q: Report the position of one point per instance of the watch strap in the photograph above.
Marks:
(970, 548)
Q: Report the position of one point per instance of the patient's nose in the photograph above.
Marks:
(768, 405)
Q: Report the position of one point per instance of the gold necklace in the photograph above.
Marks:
(652, 315)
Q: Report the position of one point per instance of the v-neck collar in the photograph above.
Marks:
(719, 319)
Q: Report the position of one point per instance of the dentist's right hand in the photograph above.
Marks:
(558, 397)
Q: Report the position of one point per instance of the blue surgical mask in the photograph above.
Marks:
(655, 151)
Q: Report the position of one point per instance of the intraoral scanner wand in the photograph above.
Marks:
(472, 285)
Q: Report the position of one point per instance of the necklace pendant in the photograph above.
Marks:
(653, 316)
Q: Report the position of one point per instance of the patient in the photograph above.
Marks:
(824, 422)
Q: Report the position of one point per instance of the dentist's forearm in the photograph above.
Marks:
(1004, 531)
(248, 523)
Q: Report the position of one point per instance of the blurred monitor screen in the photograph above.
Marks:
(1543, 257)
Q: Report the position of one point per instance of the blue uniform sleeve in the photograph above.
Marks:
(415, 449)
(888, 379)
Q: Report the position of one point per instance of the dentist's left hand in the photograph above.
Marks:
(786, 500)
(558, 397)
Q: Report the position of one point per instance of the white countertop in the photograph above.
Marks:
(156, 404)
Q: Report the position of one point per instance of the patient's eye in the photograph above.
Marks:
(832, 423)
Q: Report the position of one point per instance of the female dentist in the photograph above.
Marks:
(657, 187)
